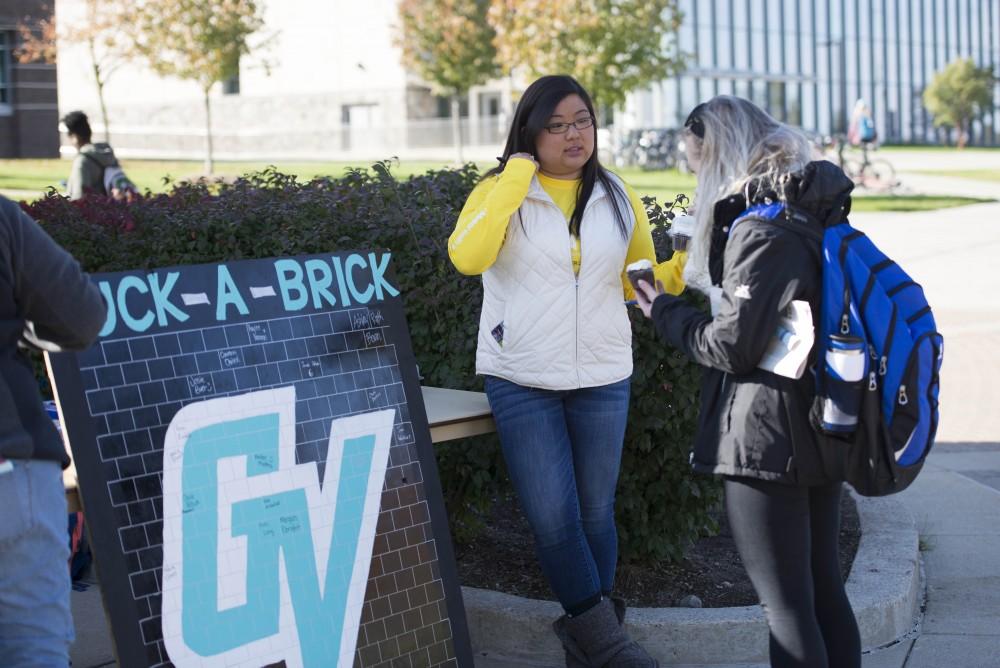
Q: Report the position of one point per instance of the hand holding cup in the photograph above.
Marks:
(640, 270)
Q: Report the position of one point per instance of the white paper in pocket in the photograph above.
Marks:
(788, 350)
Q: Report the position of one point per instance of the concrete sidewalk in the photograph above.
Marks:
(956, 503)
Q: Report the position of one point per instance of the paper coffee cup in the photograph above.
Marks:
(680, 231)
(640, 270)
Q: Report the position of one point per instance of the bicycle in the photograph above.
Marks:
(866, 172)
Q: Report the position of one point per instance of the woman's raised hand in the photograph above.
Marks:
(525, 156)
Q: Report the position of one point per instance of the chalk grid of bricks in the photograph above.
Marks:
(340, 365)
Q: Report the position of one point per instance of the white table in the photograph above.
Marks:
(451, 414)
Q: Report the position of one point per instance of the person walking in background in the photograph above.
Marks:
(753, 425)
(861, 130)
(95, 167)
(551, 232)
(46, 302)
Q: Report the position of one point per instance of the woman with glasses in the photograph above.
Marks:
(754, 427)
(551, 232)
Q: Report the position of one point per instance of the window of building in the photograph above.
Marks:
(231, 86)
(776, 99)
(793, 105)
(489, 104)
(6, 46)
(359, 116)
(444, 107)
(758, 93)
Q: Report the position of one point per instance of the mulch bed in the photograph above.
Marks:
(502, 558)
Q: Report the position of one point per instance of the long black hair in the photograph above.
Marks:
(77, 124)
(530, 118)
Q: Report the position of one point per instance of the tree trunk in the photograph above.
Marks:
(209, 162)
(104, 111)
(99, 80)
(963, 136)
(456, 128)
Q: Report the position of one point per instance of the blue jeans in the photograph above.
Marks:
(36, 628)
(563, 450)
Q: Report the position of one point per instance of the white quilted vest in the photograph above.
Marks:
(559, 331)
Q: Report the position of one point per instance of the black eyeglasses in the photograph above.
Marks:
(694, 122)
(562, 128)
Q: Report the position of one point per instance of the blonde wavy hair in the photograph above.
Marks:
(742, 144)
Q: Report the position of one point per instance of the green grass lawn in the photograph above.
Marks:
(27, 179)
(939, 148)
(38, 175)
(910, 202)
(975, 174)
(663, 185)
(26, 176)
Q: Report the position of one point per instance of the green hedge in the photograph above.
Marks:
(662, 507)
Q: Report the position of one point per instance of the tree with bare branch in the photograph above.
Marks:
(98, 29)
(611, 47)
(197, 40)
(449, 44)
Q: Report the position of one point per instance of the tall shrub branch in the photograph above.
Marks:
(449, 44)
(197, 41)
(612, 47)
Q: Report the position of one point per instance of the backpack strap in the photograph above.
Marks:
(787, 217)
(100, 166)
(799, 221)
(94, 160)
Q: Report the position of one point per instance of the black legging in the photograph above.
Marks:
(787, 538)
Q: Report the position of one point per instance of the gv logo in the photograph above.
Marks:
(261, 564)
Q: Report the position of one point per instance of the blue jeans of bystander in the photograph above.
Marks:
(36, 628)
(563, 451)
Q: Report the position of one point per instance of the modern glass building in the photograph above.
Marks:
(808, 61)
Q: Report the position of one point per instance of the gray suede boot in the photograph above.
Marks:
(574, 654)
(619, 603)
(597, 639)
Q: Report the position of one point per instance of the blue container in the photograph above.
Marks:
(53, 411)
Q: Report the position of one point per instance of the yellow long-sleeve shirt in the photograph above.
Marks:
(482, 225)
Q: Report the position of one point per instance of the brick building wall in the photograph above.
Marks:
(28, 104)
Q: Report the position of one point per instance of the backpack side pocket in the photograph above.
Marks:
(845, 366)
(914, 419)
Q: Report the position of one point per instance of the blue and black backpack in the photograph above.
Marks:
(878, 357)
(866, 129)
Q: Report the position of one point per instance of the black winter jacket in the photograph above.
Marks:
(752, 422)
(45, 301)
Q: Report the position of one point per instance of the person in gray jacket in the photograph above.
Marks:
(91, 159)
(46, 302)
